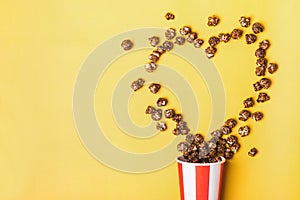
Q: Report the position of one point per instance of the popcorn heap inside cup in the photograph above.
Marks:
(221, 143)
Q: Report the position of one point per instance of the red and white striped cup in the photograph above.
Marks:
(199, 181)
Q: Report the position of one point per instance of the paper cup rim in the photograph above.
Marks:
(201, 164)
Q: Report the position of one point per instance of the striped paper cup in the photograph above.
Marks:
(199, 181)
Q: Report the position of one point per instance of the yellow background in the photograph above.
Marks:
(42, 46)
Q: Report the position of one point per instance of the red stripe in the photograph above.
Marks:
(202, 182)
(180, 181)
(220, 180)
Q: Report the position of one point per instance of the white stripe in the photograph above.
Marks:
(189, 181)
(214, 178)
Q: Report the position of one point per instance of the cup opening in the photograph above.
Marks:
(179, 160)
